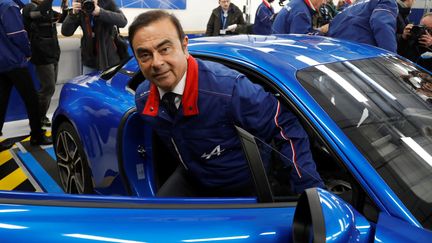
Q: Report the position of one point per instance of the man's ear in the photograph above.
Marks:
(184, 44)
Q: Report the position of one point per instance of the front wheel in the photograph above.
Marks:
(72, 162)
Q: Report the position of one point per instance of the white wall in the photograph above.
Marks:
(194, 18)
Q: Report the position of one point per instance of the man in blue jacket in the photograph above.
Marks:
(193, 105)
(264, 18)
(15, 53)
(369, 22)
(296, 17)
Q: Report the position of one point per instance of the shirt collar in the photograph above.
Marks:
(189, 97)
(178, 89)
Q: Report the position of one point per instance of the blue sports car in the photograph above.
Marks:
(368, 114)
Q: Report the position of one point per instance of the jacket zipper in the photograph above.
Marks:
(178, 153)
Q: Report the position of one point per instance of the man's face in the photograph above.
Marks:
(225, 4)
(427, 21)
(409, 3)
(160, 54)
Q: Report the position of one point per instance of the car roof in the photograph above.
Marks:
(297, 51)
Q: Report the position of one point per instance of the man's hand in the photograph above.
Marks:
(76, 6)
(407, 31)
(231, 27)
(96, 11)
(426, 39)
(324, 29)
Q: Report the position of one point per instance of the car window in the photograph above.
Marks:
(384, 105)
(337, 178)
(111, 71)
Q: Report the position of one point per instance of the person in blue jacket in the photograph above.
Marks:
(368, 22)
(193, 106)
(296, 17)
(264, 18)
(15, 53)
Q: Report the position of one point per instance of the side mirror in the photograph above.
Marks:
(308, 225)
(323, 217)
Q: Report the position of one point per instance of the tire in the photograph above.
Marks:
(72, 163)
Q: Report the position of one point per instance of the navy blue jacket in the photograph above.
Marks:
(263, 19)
(14, 43)
(371, 22)
(203, 133)
(294, 18)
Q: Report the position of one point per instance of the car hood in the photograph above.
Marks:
(297, 51)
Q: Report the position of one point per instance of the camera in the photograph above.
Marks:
(417, 31)
(88, 6)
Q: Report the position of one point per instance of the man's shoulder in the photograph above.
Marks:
(28, 8)
(216, 69)
(294, 7)
(142, 90)
(8, 6)
(7, 3)
(216, 11)
(235, 8)
(4, 4)
(217, 77)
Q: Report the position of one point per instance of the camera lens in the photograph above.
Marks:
(88, 6)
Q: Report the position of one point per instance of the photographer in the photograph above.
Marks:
(40, 23)
(97, 19)
(416, 42)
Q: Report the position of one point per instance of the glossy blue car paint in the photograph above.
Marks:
(314, 51)
(351, 226)
(140, 220)
(98, 109)
(390, 229)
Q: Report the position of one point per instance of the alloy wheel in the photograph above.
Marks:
(70, 163)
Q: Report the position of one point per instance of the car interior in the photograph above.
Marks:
(337, 178)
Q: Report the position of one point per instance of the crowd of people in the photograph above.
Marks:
(381, 23)
(28, 33)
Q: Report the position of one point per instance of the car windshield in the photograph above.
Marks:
(384, 105)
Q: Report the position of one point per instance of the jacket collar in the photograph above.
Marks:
(190, 94)
(310, 5)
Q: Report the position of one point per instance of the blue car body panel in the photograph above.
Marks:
(97, 109)
(390, 229)
(318, 50)
(351, 226)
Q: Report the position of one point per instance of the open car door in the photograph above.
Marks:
(321, 216)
